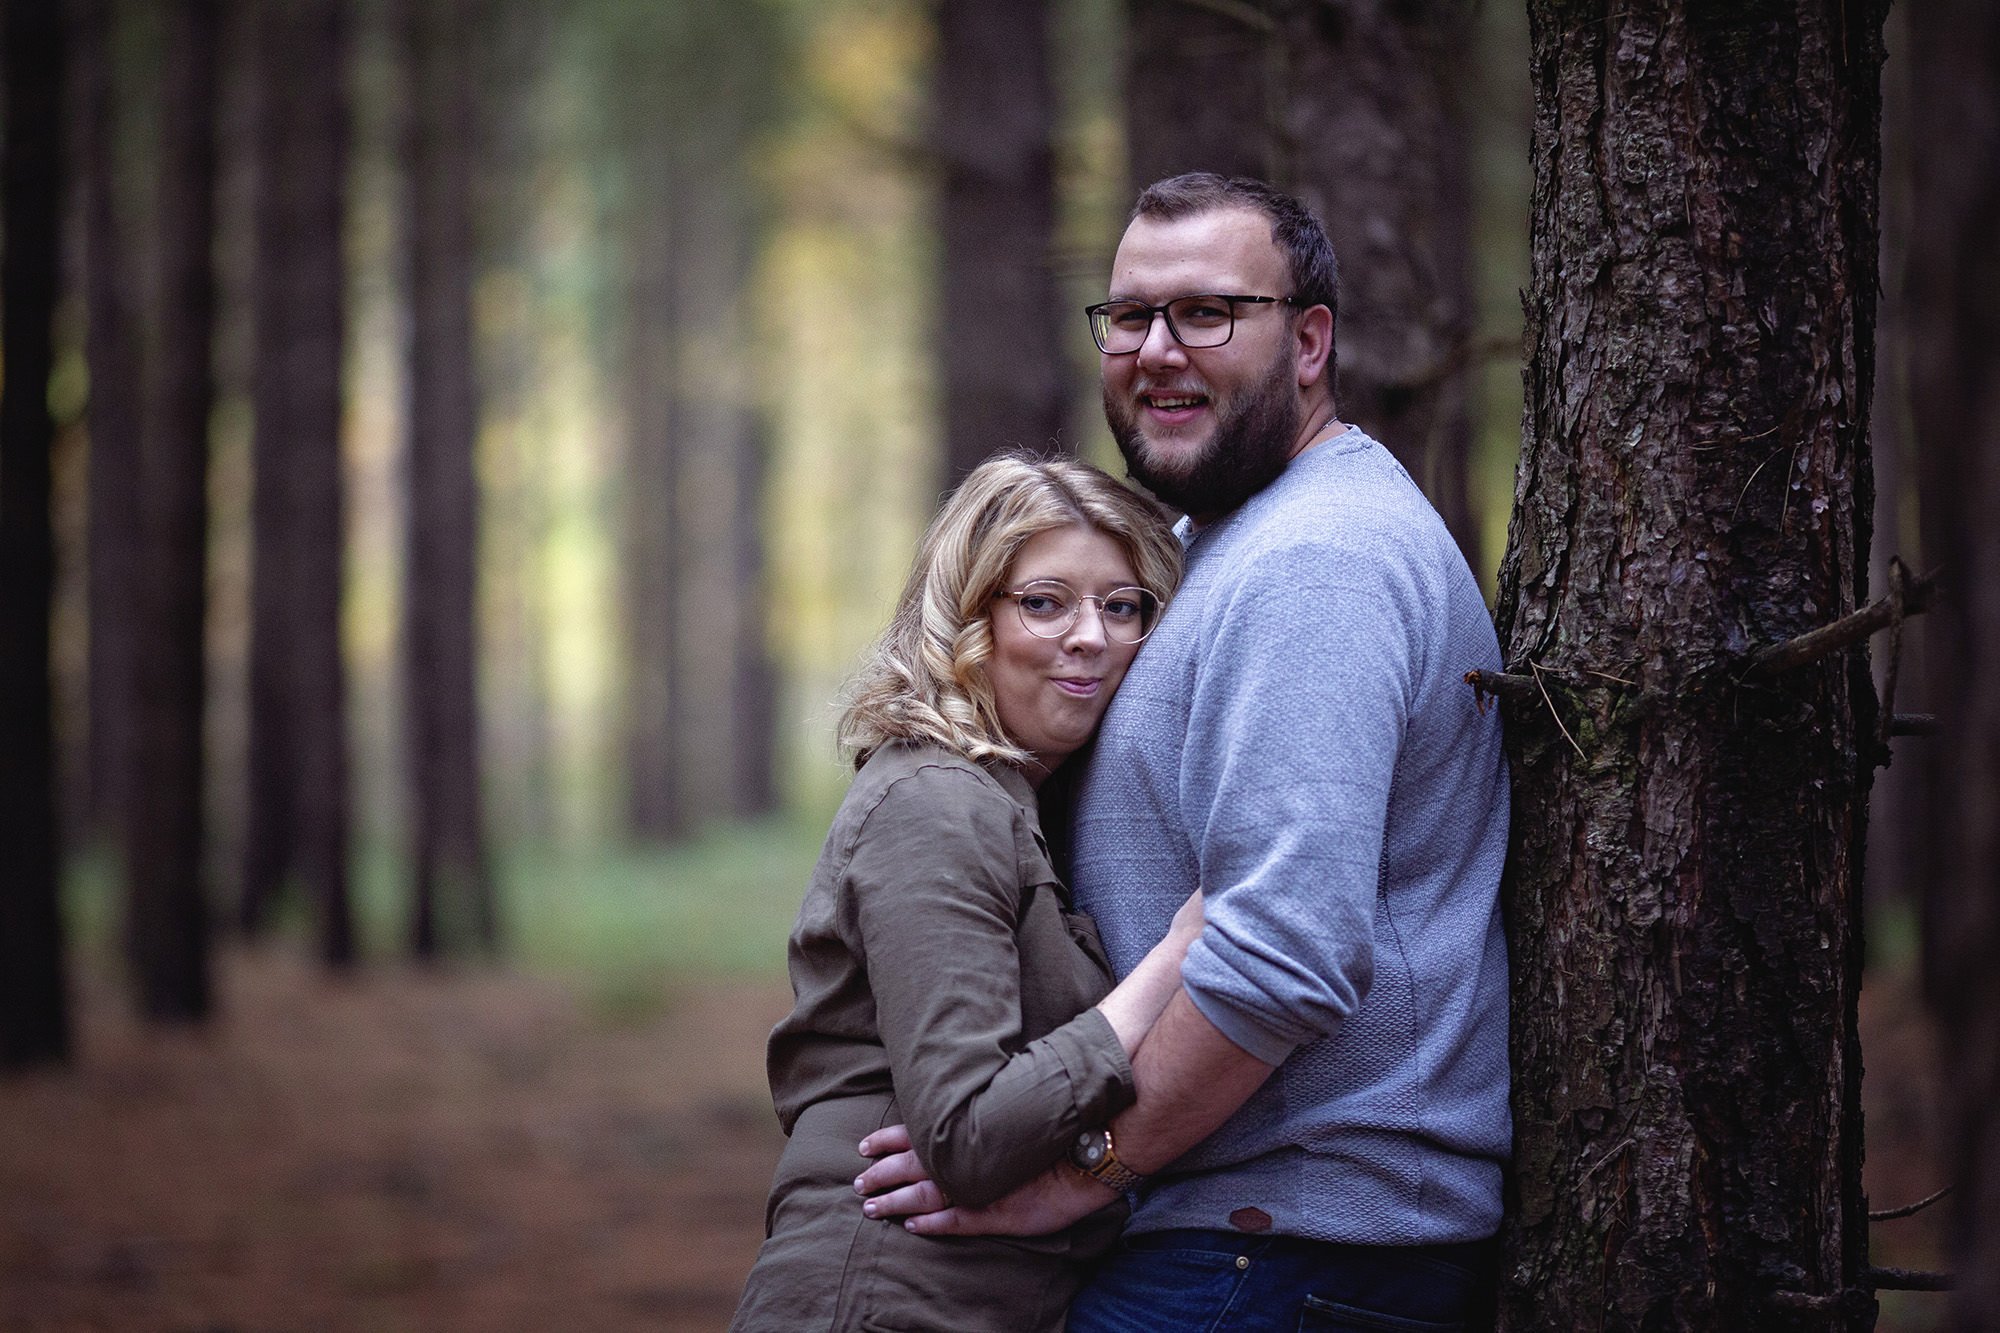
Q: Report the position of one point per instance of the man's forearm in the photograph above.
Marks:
(1190, 1079)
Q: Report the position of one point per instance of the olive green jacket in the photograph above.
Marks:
(942, 979)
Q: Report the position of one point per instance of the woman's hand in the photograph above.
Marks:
(896, 1183)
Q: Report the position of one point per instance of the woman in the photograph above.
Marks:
(940, 974)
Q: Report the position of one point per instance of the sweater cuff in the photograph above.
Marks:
(1232, 1023)
(1100, 1073)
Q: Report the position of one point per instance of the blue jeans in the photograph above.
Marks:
(1225, 1282)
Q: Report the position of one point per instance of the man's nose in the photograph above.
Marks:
(1161, 347)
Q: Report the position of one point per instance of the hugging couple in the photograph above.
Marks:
(1285, 819)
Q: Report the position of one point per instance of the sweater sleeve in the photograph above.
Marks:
(1298, 714)
(937, 889)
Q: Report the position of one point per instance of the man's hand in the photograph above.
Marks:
(898, 1186)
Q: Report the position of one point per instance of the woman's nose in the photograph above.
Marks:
(1086, 632)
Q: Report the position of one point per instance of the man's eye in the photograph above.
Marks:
(1202, 310)
(1129, 317)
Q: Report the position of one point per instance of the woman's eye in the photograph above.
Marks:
(1122, 608)
(1041, 604)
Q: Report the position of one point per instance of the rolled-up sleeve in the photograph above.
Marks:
(936, 883)
(1290, 755)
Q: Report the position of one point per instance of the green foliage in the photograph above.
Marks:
(627, 923)
(721, 904)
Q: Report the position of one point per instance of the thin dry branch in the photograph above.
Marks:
(1914, 724)
(1506, 688)
(1891, 1214)
(1844, 632)
(1906, 1279)
(1248, 15)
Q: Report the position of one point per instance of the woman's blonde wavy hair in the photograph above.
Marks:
(925, 679)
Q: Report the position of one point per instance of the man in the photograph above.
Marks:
(1322, 1118)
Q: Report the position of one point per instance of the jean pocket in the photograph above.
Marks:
(1324, 1316)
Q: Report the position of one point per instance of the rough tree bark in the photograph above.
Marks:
(1693, 485)
(1000, 315)
(1952, 284)
(167, 914)
(296, 812)
(34, 1011)
(452, 900)
(111, 350)
(1351, 105)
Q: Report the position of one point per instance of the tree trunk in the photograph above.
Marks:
(111, 350)
(754, 677)
(1952, 285)
(655, 721)
(297, 810)
(34, 1010)
(1351, 105)
(167, 921)
(1684, 878)
(1001, 318)
(452, 900)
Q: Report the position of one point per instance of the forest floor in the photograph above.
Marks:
(475, 1150)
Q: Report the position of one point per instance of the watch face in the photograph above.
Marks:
(1089, 1149)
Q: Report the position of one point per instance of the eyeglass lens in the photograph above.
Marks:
(1196, 321)
(1048, 609)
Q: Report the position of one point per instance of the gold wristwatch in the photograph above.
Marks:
(1093, 1154)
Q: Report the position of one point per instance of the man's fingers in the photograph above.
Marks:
(887, 1173)
(888, 1139)
(922, 1197)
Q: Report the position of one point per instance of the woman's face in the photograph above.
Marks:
(1051, 692)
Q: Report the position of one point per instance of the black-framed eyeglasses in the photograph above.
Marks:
(1195, 321)
(1049, 608)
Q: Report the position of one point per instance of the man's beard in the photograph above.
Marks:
(1252, 444)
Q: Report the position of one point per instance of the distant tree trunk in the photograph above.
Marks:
(111, 350)
(754, 698)
(452, 899)
(514, 512)
(698, 733)
(297, 808)
(167, 920)
(1684, 884)
(1000, 315)
(656, 802)
(34, 1010)
(1952, 286)
(1352, 105)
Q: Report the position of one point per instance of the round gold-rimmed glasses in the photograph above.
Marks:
(1049, 607)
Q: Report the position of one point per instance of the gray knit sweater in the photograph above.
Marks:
(1297, 738)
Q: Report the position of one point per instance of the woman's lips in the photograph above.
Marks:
(1082, 688)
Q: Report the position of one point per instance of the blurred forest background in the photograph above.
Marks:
(486, 433)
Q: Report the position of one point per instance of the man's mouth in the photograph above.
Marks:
(1174, 402)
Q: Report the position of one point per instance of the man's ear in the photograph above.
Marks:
(1315, 344)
